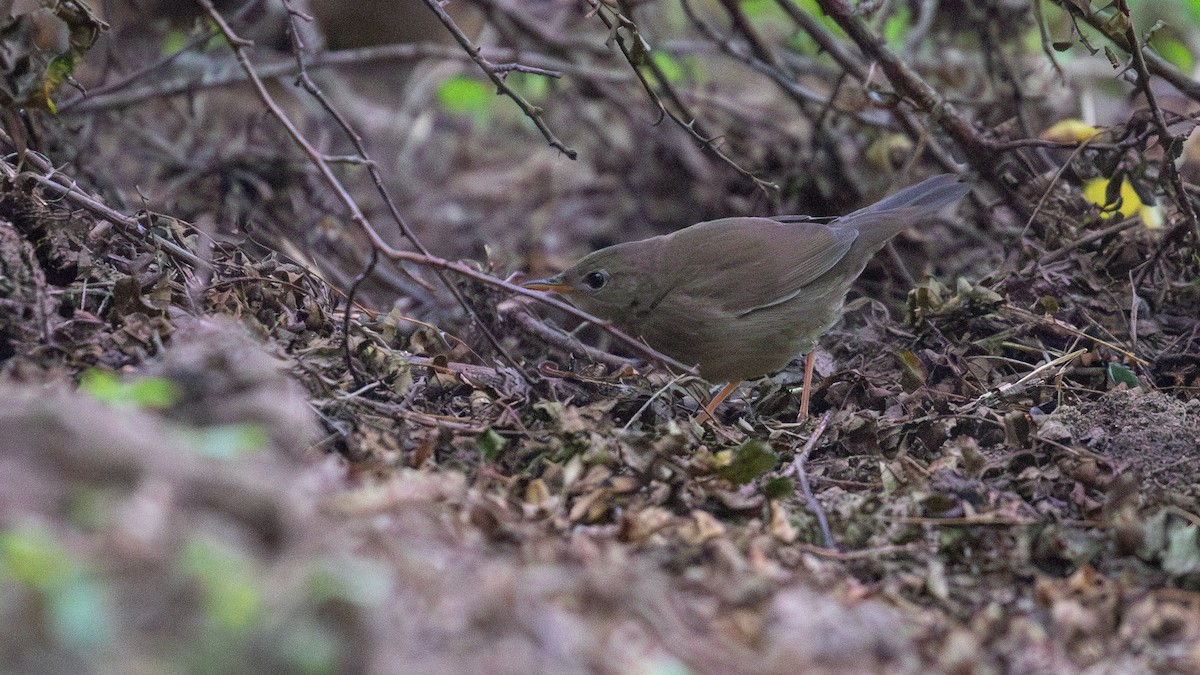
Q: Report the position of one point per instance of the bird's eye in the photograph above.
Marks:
(595, 280)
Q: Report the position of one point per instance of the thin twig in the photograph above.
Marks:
(802, 476)
(1044, 33)
(558, 337)
(531, 111)
(758, 58)
(1014, 389)
(1154, 63)
(1054, 181)
(194, 42)
(1171, 144)
(121, 94)
(372, 169)
(1134, 304)
(928, 9)
(1059, 253)
(853, 65)
(684, 119)
(872, 554)
(978, 150)
(350, 293)
(661, 390)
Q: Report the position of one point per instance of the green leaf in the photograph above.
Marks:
(233, 599)
(778, 487)
(896, 27)
(1183, 550)
(466, 96)
(153, 392)
(669, 65)
(76, 604)
(750, 460)
(101, 385)
(227, 441)
(813, 9)
(149, 392)
(491, 443)
(34, 558)
(533, 87)
(757, 9)
(1118, 374)
(173, 42)
(1177, 53)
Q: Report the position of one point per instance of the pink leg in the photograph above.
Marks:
(806, 391)
(716, 400)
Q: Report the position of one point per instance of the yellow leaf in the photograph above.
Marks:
(1096, 192)
(1070, 131)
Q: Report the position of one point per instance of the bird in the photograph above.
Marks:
(740, 297)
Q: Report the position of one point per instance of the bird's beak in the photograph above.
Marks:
(554, 283)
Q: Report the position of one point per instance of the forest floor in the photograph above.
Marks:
(201, 470)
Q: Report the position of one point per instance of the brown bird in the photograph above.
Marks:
(741, 297)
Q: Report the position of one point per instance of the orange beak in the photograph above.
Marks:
(554, 283)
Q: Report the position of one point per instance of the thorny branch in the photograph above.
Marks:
(979, 151)
(496, 75)
(322, 164)
(851, 64)
(1154, 63)
(684, 119)
(1172, 146)
(311, 87)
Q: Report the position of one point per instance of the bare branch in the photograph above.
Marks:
(1154, 63)
(980, 152)
(684, 119)
(531, 111)
(123, 94)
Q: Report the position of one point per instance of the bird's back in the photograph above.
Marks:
(765, 338)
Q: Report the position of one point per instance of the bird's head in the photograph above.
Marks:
(611, 283)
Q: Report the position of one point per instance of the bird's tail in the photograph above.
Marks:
(885, 219)
(878, 223)
(927, 196)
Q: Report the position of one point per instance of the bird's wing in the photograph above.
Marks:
(745, 264)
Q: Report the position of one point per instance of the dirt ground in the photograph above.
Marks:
(211, 461)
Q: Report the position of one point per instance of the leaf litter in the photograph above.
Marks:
(452, 516)
(997, 506)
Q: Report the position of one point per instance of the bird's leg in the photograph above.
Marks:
(716, 400)
(806, 391)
